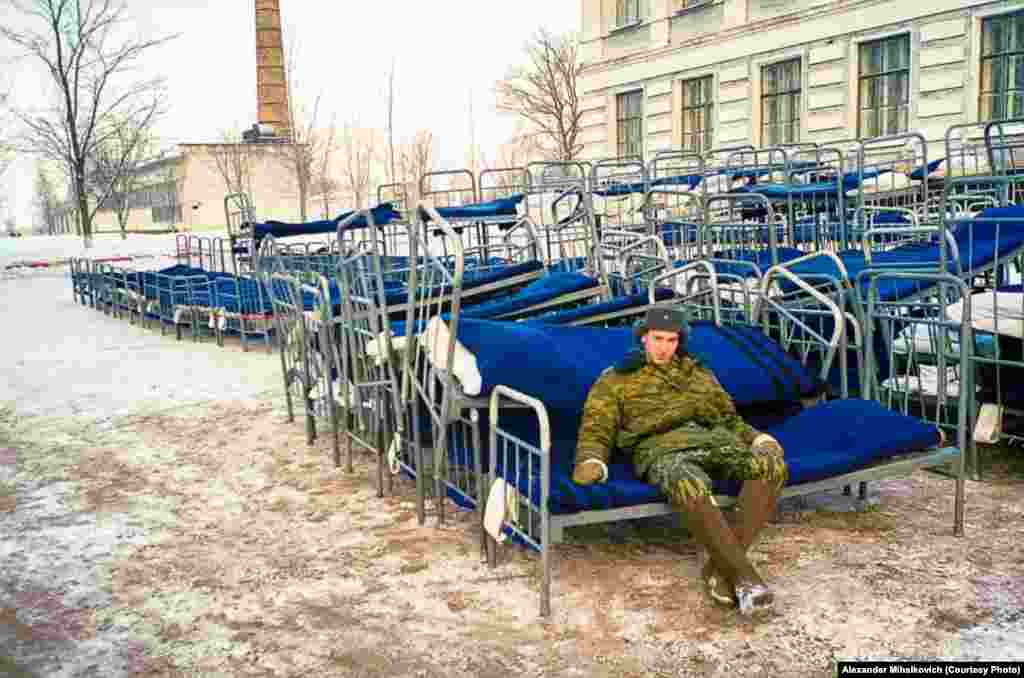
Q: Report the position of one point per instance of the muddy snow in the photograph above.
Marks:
(159, 516)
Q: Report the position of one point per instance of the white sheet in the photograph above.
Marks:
(926, 381)
(996, 312)
(464, 367)
(923, 339)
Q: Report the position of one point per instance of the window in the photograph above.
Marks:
(166, 214)
(780, 103)
(686, 4)
(627, 12)
(698, 130)
(884, 86)
(630, 128)
(1001, 94)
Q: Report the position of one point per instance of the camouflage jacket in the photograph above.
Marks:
(649, 410)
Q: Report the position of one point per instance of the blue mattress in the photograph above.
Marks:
(502, 207)
(688, 180)
(628, 188)
(827, 440)
(922, 172)
(592, 310)
(776, 191)
(472, 279)
(382, 214)
(759, 170)
(546, 288)
(559, 364)
(761, 258)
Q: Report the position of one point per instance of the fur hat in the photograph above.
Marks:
(665, 320)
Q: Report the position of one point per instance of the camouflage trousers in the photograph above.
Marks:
(687, 474)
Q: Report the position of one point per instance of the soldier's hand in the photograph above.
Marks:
(765, 445)
(587, 474)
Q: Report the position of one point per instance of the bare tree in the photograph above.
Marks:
(513, 154)
(170, 189)
(391, 124)
(6, 150)
(46, 202)
(76, 43)
(325, 185)
(473, 159)
(544, 93)
(358, 150)
(415, 160)
(114, 171)
(300, 155)
(235, 162)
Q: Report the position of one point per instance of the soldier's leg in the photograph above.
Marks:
(763, 479)
(764, 475)
(689, 488)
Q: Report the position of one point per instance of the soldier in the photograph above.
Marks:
(681, 428)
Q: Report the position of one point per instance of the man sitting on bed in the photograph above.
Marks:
(682, 430)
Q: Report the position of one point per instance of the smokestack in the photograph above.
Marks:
(271, 83)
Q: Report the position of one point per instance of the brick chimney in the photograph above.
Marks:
(271, 83)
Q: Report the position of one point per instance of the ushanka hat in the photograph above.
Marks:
(665, 320)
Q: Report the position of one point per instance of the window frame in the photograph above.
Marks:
(622, 13)
(682, 6)
(906, 36)
(622, 149)
(707, 133)
(799, 92)
(986, 22)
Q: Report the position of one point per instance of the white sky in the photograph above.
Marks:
(444, 52)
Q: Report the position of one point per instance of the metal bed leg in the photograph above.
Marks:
(440, 488)
(545, 582)
(348, 426)
(333, 408)
(310, 420)
(287, 390)
(381, 449)
(421, 482)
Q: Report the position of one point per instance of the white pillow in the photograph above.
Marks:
(435, 341)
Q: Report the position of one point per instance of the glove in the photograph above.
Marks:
(765, 445)
(588, 473)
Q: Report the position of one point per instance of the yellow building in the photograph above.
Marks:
(184, 190)
(699, 74)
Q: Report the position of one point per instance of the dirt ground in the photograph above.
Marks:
(196, 534)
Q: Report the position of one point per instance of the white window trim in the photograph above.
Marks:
(972, 86)
(628, 89)
(697, 6)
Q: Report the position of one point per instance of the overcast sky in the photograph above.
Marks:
(444, 53)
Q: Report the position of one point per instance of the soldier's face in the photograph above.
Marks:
(660, 345)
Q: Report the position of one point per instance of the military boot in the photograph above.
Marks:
(755, 506)
(707, 524)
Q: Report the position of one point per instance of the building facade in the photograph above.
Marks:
(184, 190)
(700, 74)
